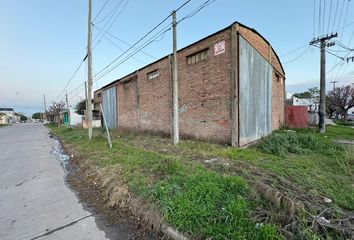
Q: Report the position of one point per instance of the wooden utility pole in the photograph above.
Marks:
(67, 106)
(175, 82)
(89, 72)
(86, 101)
(45, 107)
(322, 112)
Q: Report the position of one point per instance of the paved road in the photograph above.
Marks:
(35, 203)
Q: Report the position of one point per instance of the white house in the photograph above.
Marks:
(312, 104)
(11, 116)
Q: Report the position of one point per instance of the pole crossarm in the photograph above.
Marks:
(321, 39)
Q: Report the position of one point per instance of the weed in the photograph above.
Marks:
(283, 143)
(210, 205)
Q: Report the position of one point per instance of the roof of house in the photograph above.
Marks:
(6, 109)
(215, 33)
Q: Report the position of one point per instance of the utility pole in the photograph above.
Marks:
(334, 84)
(175, 82)
(89, 71)
(67, 106)
(323, 41)
(86, 103)
(45, 107)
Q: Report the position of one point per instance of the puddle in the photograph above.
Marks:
(58, 152)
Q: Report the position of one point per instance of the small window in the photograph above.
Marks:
(197, 57)
(153, 74)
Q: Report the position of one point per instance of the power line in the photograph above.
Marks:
(329, 16)
(148, 42)
(319, 18)
(99, 12)
(113, 11)
(340, 15)
(314, 19)
(72, 77)
(338, 63)
(163, 31)
(324, 15)
(121, 49)
(110, 15)
(335, 16)
(126, 43)
(205, 4)
(296, 49)
(142, 38)
(152, 39)
(343, 46)
(296, 58)
(114, 20)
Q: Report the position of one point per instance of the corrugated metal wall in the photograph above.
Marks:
(255, 90)
(109, 104)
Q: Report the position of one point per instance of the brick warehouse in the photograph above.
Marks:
(231, 89)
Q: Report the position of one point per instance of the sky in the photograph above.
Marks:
(43, 42)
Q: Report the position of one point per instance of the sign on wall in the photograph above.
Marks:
(219, 48)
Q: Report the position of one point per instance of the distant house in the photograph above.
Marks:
(312, 104)
(3, 118)
(70, 117)
(351, 111)
(11, 116)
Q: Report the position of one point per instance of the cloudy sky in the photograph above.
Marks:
(43, 42)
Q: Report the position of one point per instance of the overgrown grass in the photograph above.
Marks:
(203, 203)
(282, 143)
(316, 163)
(210, 205)
(344, 123)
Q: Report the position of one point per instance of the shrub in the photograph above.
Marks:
(289, 142)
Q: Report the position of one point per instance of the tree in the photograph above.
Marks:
(37, 115)
(342, 98)
(330, 109)
(81, 107)
(55, 110)
(23, 118)
(310, 93)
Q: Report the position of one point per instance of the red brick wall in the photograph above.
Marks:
(204, 90)
(155, 110)
(127, 102)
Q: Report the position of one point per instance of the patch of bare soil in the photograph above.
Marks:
(116, 222)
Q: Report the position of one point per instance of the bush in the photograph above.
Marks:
(284, 143)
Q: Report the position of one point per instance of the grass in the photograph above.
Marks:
(213, 203)
(344, 123)
(203, 203)
(4, 125)
(311, 160)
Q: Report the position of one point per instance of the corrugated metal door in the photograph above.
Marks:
(255, 90)
(109, 104)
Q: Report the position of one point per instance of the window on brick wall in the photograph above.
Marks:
(154, 74)
(197, 57)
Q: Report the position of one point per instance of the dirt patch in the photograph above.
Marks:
(116, 222)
